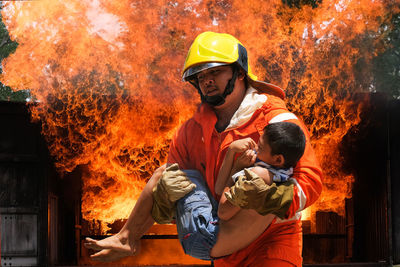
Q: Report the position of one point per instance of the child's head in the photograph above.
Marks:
(281, 145)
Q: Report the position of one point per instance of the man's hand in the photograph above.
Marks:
(250, 192)
(172, 186)
(175, 183)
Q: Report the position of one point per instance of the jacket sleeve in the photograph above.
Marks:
(178, 149)
(307, 175)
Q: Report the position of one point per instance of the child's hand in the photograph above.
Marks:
(242, 145)
(246, 159)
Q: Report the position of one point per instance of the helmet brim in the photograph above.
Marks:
(268, 88)
(189, 73)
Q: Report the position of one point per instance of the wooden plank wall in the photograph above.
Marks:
(22, 187)
(328, 243)
(394, 164)
(364, 152)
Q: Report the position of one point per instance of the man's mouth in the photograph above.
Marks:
(212, 91)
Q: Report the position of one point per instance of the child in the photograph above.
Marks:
(278, 150)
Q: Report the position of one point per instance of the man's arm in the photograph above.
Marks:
(245, 227)
(307, 174)
(307, 177)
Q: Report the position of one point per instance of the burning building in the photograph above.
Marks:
(105, 77)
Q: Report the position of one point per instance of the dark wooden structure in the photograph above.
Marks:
(370, 232)
(36, 213)
(23, 193)
(394, 186)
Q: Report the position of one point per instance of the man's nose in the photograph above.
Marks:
(209, 80)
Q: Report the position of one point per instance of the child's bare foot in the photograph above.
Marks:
(112, 248)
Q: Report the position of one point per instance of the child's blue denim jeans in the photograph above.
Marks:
(197, 219)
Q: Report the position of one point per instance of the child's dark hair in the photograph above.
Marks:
(287, 139)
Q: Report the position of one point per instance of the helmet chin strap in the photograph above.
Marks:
(218, 100)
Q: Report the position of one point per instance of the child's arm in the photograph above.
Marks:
(227, 210)
(225, 171)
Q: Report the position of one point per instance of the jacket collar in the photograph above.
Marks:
(252, 101)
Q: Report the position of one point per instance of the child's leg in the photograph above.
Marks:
(196, 219)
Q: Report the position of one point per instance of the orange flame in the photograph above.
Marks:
(107, 74)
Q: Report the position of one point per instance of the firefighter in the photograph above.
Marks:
(234, 105)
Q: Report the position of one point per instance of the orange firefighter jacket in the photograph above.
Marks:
(197, 145)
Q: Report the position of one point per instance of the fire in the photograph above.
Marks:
(107, 76)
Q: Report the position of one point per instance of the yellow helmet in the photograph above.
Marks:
(211, 49)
